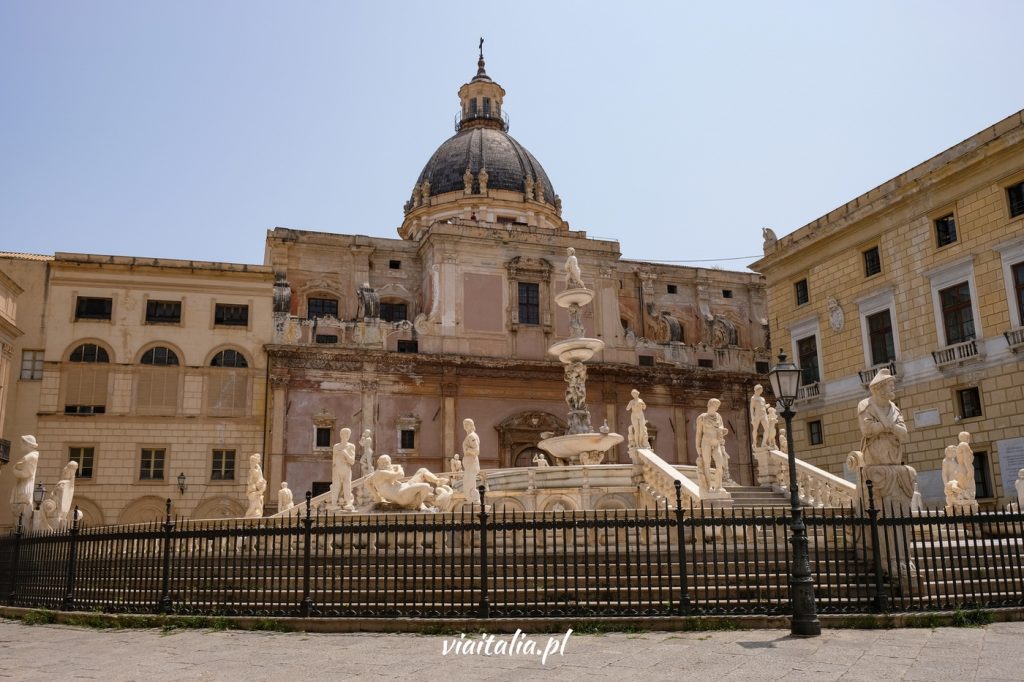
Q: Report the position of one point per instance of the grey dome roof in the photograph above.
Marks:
(507, 163)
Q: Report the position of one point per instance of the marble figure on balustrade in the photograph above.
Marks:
(470, 462)
(344, 458)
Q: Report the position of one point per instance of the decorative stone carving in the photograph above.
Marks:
(467, 182)
(285, 499)
(881, 423)
(385, 485)
(24, 480)
(538, 192)
(710, 441)
(773, 425)
(369, 303)
(56, 507)
(343, 461)
(282, 294)
(836, 319)
(1019, 487)
(470, 461)
(573, 277)
(456, 466)
(637, 421)
(768, 234)
(366, 461)
(426, 192)
(758, 417)
(482, 180)
(965, 460)
(255, 487)
(783, 440)
(540, 460)
(722, 332)
(558, 205)
(528, 183)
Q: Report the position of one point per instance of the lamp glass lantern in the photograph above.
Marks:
(182, 482)
(785, 378)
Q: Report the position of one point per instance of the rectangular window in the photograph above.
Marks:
(87, 308)
(945, 230)
(807, 353)
(321, 307)
(323, 436)
(970, 402)
(1015, 194)
(32, 364)
(231, 315)
(487, 106)
(151, 467)
(726, 293)
(800, 290)
(408, 439)
(761, 367)
(223, 468)
(982, 476)
(163, 312)
(84, 456)
(673, 289)
(706, 363)
(957, 318)
(394, 312)
(1018, 288)
(395, 264)
(880, 336)
(529, 303)
(646, 360)
(815, 436)
(326, 338)
(872, 262)
(408, 346)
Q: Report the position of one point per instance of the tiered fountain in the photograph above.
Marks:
(581, 444)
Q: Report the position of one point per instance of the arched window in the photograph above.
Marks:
(228, 385)
(229, 358)
(156, 388)
(89, 352)
(85, 384)
(160, 355)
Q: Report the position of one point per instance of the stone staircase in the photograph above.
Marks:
(757, 497)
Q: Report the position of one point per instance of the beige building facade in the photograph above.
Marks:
(9, 333)
(141, 370)
(924, 275)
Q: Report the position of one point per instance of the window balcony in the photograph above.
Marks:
(957, 354)
(1015, 338)
(809, 391)
(866, 375)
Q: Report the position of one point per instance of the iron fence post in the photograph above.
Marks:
(165, 586)
(683, 606)
(881, 601)
(12, 584)
(307, 603)
(485, 606)
(69, 591)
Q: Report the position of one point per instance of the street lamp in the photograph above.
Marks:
(182, 485)
(785, 378)
(38, 494)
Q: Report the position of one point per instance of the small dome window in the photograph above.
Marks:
(229, 358)
(89, 352)
(160, 356)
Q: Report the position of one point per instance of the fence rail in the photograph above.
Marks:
(672, 560)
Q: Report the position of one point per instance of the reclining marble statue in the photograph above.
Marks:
(386, 485)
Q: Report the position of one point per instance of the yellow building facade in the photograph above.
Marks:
(925, 275)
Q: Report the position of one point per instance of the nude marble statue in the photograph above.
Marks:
(637, 420)
(710, 441)
(758, 417)
(344, 458)
(573, 277)
(255, 487)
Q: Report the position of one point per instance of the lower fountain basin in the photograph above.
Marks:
(578, 349)
(570, 447)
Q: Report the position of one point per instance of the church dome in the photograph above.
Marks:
(508, 164)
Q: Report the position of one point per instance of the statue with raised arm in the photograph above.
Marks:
(758, 417)
(255, 487)
(24, 480)
(470, 462)
(573, 277)
(540, 460)
(344, 458)
(366, 461)
(638, 421)
(710, 441)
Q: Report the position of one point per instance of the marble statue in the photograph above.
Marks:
(950, 467)
(783, 440)
(369, 302)
(366, 443)
(1019, 486)
(285, 499)
(470, 462)
(443, 499)
(540, 460)
(758, 417)
(638, 422)
(573, 278)
(467, 181)
(24, 480)
(385, 485)
(710, 439)
(456, 465)
(773, 426)
(965, 460)
(56, 506)
(344, 460)
(954, 494)
(881, 422)
(255, 487)
(482, 179)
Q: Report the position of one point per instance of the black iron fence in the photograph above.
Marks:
(650, 562)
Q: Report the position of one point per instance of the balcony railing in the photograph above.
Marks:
(809, 391)
(957, 353)
(1015, 338)
(866, 375)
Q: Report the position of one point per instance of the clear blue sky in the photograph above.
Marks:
(186, 129)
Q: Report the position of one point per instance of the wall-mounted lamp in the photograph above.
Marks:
(182, 482)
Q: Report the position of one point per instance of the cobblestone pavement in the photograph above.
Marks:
(57, 652)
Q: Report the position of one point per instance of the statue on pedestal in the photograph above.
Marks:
(758, 417)
(965, 460)
(366, 461)
(540, 460)
(344, 459)
(56, 506)
(385, 485)
(24, 480)
(710, 441)
(470, 462)
(638, 422)
(456, 466)
(285, 500)
(255, 487)
(573, 277)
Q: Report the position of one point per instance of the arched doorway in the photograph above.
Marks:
(521, 432)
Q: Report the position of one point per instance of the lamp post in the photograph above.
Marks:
(785, 378)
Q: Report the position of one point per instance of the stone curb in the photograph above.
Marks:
(436, 626)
